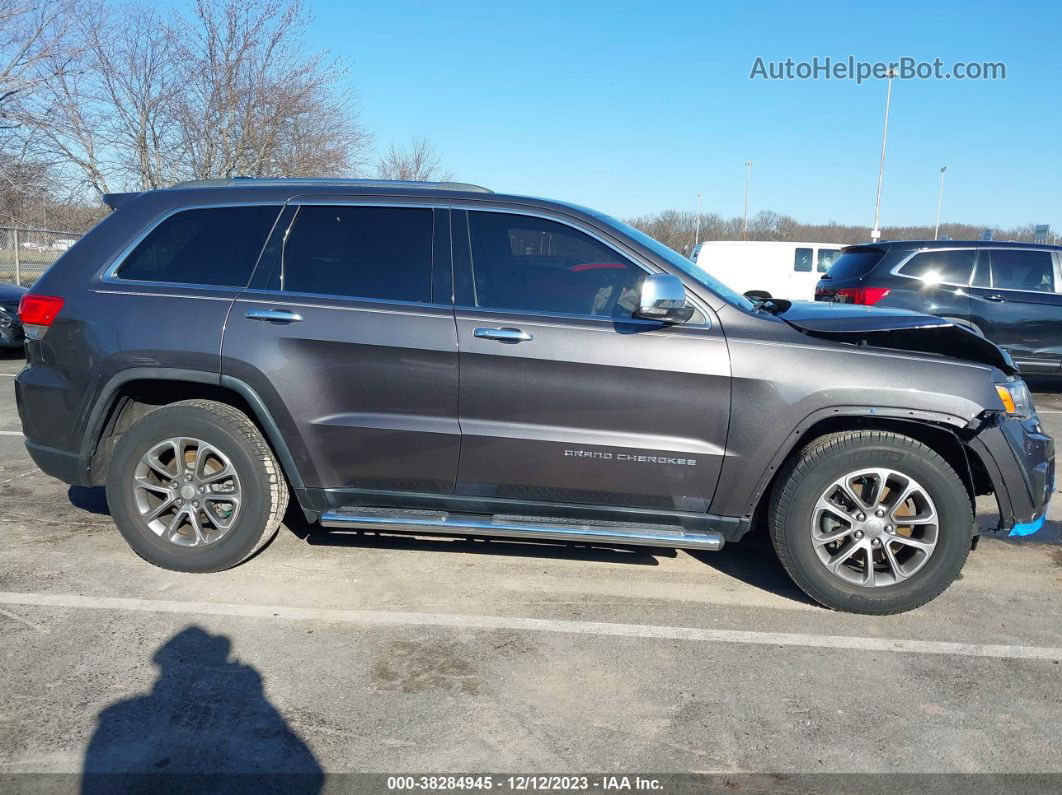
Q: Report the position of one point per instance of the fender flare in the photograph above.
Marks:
(104, 402)
(966, 324)
(927, 418)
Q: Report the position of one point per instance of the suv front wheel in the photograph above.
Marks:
(194, 487)
(871, 522)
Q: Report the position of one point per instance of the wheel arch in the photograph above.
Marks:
(133, 393)
(939, 436)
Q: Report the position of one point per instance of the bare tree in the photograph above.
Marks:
(678, 229)
(110, 117)
(32, 33)
(419, 161)
(227, 90)
(675, 228)
(254, 102)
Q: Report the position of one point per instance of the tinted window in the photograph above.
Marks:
(827, 256)
(802, 260)
(855, 262)
(1014, 269)
(216, 246)
(537, 265)
(360, 252)
(952, 267)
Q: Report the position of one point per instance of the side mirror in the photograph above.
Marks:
(663, 298)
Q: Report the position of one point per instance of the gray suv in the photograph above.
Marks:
(439, 359)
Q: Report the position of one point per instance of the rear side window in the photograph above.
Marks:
(215, 246)
(533, 264)
(802, 260)
(1015, 269)
(855, 262)
(826, 258)
(360, 252)
(949, 267)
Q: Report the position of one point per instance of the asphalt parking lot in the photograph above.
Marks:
(340, 652)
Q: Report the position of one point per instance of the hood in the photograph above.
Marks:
(894, 328)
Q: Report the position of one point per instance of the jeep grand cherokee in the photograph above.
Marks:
(440, 359)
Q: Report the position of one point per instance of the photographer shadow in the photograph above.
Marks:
(206, 724)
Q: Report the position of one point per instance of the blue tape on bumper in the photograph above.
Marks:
(1028, 528)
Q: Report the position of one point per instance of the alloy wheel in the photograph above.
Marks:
(187, 491)
(874, 527)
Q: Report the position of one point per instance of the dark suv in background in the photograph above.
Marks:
(1010, 293)
(440, 359)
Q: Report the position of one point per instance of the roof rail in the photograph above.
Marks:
(327, 181)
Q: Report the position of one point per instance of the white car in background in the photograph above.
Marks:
(774, 270)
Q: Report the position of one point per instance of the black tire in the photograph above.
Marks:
(810, 472)
(264, 490)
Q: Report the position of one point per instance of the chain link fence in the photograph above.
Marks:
(26, 253)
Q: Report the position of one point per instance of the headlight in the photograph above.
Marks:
(1016, 398)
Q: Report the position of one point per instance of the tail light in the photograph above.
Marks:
(860, 295)
(37, 313)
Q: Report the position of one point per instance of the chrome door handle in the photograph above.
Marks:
(995, 297)
(503, 334)
(273, 315)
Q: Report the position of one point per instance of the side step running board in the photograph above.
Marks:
(531, 528)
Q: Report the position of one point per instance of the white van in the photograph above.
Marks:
(782, 270)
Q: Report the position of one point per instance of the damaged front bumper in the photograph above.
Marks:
(1019, 459)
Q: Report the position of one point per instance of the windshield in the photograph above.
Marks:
(684, 265)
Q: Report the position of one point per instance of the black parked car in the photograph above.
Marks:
(1010, 293)
(11, 334)
(440, 359)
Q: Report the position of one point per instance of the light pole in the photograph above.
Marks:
(748, 181)
(940, 198)
(697, 233)
(875, 233)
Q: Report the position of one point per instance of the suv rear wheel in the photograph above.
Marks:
(194, 487)
(871, 522)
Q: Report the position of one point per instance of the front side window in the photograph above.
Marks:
(941, 267)
(381, 253)
(802, 260)
(827, 256)
(1017, 269)
(216, 246)
(532, 264)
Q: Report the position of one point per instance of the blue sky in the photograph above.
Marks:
(635, 107)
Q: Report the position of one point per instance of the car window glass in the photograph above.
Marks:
(1017, 269)
(826, 258)
(802, 260)
(360, 252)
(215, 246)
(532, 264)
(855, 262)
(935, 267)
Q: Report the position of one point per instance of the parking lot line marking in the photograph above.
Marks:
(21, 620)
(391, 619)
(10, 433)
